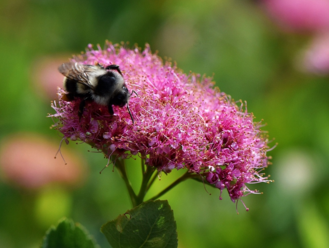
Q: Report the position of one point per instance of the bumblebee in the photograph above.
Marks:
(103, 85)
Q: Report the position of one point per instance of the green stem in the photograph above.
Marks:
(143, 164)
(152, 181)
(147, 181)
(144, 187)
(122, 170)
(179, 180)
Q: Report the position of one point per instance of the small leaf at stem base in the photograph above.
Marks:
(149, 225)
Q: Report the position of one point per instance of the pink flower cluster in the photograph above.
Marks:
(180, 122)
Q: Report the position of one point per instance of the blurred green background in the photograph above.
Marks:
(249, 57)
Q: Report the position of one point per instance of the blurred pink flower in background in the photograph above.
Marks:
(316, 57)
(28, 160)
(299, 15)
(45, 76)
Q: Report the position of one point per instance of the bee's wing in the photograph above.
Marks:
(78, 72)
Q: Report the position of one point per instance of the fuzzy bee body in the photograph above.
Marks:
(103, 85)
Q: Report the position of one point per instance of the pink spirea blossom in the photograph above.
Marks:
(180, 122)
(316, 56)
(24, 161)
(299, 15)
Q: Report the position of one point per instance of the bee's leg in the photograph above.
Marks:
(110, 109)
(81, 108)
(67, 97)
(132, 93)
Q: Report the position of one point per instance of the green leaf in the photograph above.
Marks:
(67, 235)
(149, 225)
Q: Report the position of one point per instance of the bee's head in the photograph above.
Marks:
(121, 97)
